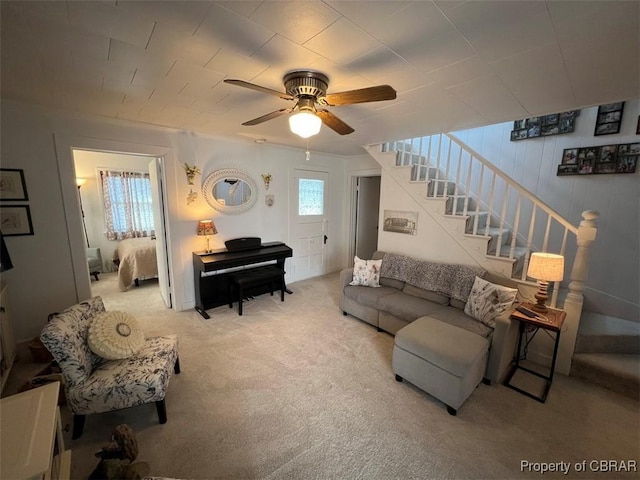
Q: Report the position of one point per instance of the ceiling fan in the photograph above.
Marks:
(308, 89)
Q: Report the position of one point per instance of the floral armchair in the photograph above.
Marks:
(95, 385)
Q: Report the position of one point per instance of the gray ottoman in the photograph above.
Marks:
(445, 361)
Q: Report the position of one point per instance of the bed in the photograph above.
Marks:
(136, 258)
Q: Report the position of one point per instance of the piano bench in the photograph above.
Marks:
(255, 277)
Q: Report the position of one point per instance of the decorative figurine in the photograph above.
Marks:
(191, 173)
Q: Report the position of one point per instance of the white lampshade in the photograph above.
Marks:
(547, 267)
(305, 124)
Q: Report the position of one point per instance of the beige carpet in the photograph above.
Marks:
(296, 390)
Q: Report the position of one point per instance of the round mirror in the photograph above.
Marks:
(230, 191)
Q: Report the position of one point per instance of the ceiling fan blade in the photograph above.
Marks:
(268, 116)
(252, 86)
(362, 95)
(334, 123)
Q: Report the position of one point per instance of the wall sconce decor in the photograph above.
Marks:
(191, 173)
(206, 228)
(266, 178)
(269, 200)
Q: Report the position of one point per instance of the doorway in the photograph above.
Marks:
(365, 215)
(88, 167)
(65, 144)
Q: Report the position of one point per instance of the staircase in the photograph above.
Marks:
(607, 353)
(495, 220)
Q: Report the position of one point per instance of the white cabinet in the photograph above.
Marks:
(7, 341)
(31, 442)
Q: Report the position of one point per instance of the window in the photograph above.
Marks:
(310, 197)
(128, 207)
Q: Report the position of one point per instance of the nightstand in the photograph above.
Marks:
(553, 324)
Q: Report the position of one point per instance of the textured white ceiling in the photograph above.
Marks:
(454, 64)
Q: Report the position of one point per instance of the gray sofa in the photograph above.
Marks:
(396, 303)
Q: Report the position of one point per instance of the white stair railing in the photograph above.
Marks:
(484, 189)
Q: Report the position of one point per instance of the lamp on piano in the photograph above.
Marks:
(206, 228)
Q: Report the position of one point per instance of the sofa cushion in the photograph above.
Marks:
(366, 272)
(459, 304)
(367, 296)
(392, 282)
(488, 300)
(407, 307)
(456, 317)
(426, 294)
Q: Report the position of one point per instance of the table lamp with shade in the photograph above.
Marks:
(545, 267)
(206, 228)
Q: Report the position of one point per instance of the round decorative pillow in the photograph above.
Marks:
(115, 335)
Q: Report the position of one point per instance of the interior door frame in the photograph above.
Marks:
(353, 206)
(65, 144)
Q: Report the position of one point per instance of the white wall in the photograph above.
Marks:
(431, 241)
(613, 285)
(33, 139)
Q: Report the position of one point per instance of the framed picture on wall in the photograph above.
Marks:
(609, 119)
(15, 220)
(12, 184)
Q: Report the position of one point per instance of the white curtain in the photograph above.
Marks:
(127, 204)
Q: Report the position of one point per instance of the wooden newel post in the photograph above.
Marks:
(573, 303)
(586, 236)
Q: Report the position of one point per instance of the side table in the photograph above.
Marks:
(31, 437)
(550, 321)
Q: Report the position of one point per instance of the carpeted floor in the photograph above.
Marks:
(296, 390)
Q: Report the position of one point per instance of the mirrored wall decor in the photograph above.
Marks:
(230, 191)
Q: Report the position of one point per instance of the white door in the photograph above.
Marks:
(155, 176)
(310, 223)
(367, 214)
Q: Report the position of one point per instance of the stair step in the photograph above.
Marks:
(617, 372)
(519, 254)
(438, 187)
(603, 334)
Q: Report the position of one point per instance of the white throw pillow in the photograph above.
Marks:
(487, 301)
(366, 272)
(115, 335)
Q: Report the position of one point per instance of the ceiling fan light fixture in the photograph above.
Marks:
(305, 124)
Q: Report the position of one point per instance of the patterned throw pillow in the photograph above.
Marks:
(487, 301)
(366, 272)
(115, 335)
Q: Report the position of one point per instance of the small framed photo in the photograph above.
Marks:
(15, 221)
(549, 130)
(570, 156)
(607, 128)
(610, 107)
(550, 119)
(609, 167)
(518, 134)
(567, 170)
(12, 184)
(533, 122)
(520, 124)
(608, 153)
(638, 126)
(627, 164)
(609, 119)
(566, 125)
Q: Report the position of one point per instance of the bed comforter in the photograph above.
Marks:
(137, 258)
